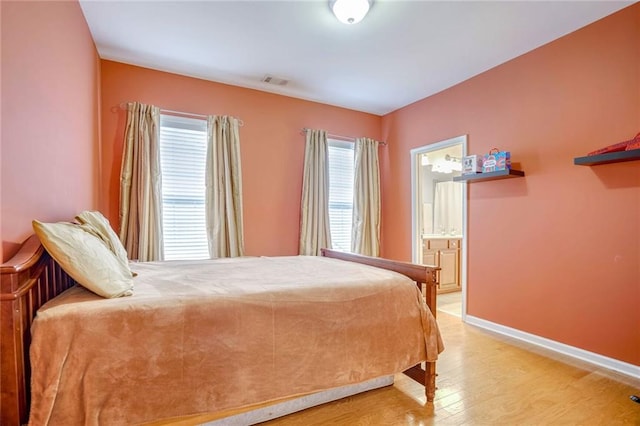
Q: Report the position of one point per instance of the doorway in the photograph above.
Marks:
(439, 215)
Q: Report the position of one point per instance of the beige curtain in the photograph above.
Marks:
(141, 184)
(224, 188)
(365, 237)
(315, 233)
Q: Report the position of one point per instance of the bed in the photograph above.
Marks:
(235, 370)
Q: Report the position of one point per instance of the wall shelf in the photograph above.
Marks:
(610, 157)
(500, 174)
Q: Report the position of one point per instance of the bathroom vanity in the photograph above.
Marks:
(443, 251)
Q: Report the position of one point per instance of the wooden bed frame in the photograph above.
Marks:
(32, 277)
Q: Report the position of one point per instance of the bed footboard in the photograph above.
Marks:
(28, 280)
(426, 279)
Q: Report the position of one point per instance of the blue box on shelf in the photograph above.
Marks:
(496, 160)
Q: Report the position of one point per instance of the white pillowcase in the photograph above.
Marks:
(86, 258)
(106, 233)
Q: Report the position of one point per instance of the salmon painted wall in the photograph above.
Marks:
(272, 146)
(50, 130)
(556, 253)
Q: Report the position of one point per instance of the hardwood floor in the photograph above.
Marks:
(450, 303)
(487, 379)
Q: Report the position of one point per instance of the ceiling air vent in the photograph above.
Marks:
(274, 80)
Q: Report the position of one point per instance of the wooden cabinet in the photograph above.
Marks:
(444, 253)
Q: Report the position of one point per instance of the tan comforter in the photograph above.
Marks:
(205, 336)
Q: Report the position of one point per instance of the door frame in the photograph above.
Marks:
(415, 210)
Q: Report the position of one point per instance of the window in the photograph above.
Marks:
(183, 151)
(340, 193)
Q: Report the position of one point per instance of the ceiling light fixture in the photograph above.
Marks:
(350, 11)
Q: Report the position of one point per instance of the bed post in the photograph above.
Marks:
(12, 385)
(431, 292)
(28, 280)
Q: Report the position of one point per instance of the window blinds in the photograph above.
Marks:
(340, 193)
(183, 150)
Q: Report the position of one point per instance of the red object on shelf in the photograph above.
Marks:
(620, 146)
(634, 144)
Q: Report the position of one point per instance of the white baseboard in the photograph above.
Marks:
(572, 351)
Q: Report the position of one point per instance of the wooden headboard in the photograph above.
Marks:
(28, 280)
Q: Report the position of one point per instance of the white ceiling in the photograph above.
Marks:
(403, 51)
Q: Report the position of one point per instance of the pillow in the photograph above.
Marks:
(86, 258)
(105, 233)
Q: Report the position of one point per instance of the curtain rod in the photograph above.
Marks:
(123, 105)
(344, 138)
